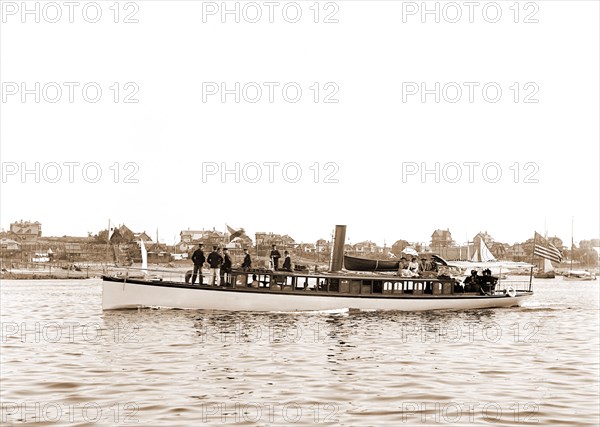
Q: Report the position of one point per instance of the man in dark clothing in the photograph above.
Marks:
(226, 268)
(487, 282)
(275, 255)
(198, 259)
(287, 262)
(470, 282)
(214, 260)
(247, 264)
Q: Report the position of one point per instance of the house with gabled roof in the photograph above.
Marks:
(441, 239)
(26, 229)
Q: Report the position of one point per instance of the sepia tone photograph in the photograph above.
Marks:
(309, 212)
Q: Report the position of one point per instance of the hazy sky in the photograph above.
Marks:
(342, 115)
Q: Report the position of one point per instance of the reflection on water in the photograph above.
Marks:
(64, 361)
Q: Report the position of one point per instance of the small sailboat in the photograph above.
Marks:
(546, 272)
(577, 275)
(483, 253)
(142, 272)
(484, 259)
(544, 249)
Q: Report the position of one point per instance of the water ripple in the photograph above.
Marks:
(531, 365)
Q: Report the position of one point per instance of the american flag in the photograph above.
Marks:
(543, 248)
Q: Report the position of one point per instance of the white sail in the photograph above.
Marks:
(548, 267)
(483, 254)
(144, 257)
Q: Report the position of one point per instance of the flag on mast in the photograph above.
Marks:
(234, 233)
(543, 248)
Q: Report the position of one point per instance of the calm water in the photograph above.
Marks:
(66, 362)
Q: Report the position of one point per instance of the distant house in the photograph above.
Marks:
(26, 229)
(215, 238)
(73, 251)
(9, 245)
(142, 236)
(158, 254)
(240, 242)
(323, 245)
(123, 235)
(307, 247)
(268, 239)
(398, 246)
(483, 235)
(287, 240)
(367, 247)
(264, 241)
(516, 252)
(126, 234)
(189, 239)
(441, 239)
(115, 237)
(188, 236)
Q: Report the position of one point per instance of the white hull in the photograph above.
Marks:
(121, 295)
(579, 275)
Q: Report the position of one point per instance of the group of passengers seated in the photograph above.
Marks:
(416, 268)
(484, 284)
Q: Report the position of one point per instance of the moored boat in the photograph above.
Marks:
(579, 275)
(305, 291)
(364, 264)
(546, 272)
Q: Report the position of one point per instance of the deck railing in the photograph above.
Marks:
(323, 283)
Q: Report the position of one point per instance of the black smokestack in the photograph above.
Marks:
(337, 257)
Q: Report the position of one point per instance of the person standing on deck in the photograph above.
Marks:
(247, 263)
(226, 268)
(275, 255)
(214, 260)
(198, 258)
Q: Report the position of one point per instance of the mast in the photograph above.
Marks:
(108, 240)
(533, 250)
(572, 220)
(337, 255)
(532, 255)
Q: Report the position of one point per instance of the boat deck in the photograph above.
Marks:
(334, 284)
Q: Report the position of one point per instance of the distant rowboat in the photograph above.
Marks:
(363, 264)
